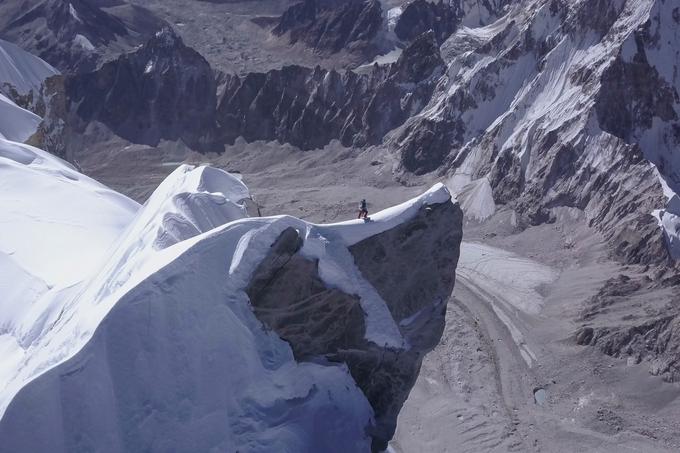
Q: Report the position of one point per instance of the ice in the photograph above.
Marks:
(509, 281)
(509, 277)
(393, 15)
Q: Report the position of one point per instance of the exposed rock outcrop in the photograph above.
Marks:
(163, 90)
(412, 267)
(310, 107)
(331, 26)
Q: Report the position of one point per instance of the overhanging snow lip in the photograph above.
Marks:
(354, 231)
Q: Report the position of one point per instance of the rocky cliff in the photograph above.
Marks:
(636, 318)
(310, 107)
(412, 268)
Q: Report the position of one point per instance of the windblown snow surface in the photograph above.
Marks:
(16, 124)
(56, 228)
(132, 324)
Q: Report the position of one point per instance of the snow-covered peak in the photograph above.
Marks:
(189, 202)
(57, 227)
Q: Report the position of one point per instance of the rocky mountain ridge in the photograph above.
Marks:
(523, 106)
(489, 116)
(310, 107)
(76, 35)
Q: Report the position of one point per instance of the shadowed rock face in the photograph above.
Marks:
(310, 107)
(164, 90)
(421, 16)
(411, 266)
(321, 319)
(330, 26)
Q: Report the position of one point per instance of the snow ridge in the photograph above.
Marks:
(175, 281)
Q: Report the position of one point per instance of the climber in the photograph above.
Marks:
(363, 211)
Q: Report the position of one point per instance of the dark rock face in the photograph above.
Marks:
(76, 35)
(310, 107)
(164, 90)
(53, 135)
(329, 26)
(421, 16)
(322, 319)
(424, 145)
(632, 95)
(415, 288)
(412, 267)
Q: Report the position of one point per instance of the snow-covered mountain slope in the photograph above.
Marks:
(160, 348)
(57, 226)
(16, 124)
(564, 103)
(20, 72)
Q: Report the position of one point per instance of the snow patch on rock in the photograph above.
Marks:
(83, 42)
